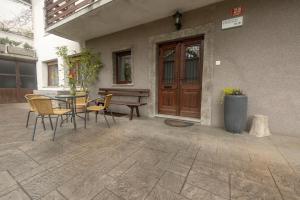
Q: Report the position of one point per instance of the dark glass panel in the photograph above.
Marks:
(8, 82)
(169, 65)
(27, 68)
(53, 74)
(192, 63)
(169, 55)
(28, 82)
(7, 67)
(192, 52)
(124, 67)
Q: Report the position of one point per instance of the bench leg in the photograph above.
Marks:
(137, 111)
(131, 112)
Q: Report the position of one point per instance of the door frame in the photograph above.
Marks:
(179, 45)
(206, 101)
(18, 92)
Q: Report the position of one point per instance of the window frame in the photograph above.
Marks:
(116, 56)
(50, 64)
(23, 75)
(76, 59)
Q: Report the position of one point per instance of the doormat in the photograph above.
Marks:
(177, 123)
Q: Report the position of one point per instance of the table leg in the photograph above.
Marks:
(73, 112)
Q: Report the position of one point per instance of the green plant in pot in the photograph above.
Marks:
(90, 68)
(63, 52)
(235, 110)
(86, 74)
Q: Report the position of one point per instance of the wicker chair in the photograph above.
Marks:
(104, 108)
(28, 97)
(44, 106)
(81, 103)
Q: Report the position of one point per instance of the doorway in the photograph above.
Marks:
(180, 77)
(17, 78)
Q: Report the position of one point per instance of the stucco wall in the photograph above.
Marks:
(45, 45)
(261, 57)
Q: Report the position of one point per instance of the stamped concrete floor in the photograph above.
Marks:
(142, 159)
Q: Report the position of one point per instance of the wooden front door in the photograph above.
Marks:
(17, 78)
(180, 78)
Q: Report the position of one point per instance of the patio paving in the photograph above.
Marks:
(142, 159)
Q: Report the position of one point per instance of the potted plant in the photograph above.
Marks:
(86, 74)
(63, 52)
(235, 110)
(90, 68)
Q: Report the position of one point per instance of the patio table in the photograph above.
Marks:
(72, 100)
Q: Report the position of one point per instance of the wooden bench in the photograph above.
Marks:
(138, 93)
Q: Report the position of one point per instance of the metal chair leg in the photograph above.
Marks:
(96, 117)
(27, 121)
(34, 129)
(85, 114)
(106, 119)
(43, 122)
(62, 120)
(55, 128)
(50, 122)
(67, 118)
(113, 117)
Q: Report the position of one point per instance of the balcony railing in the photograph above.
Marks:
(57, 10)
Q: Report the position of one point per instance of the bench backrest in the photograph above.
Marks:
(125, 92)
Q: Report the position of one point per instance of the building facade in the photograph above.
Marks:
(50, 70)
(17, 67)
(186, 70)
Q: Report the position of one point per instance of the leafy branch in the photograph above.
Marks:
(90, 66)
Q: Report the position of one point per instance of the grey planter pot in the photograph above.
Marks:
(2, 48)
(235, 113)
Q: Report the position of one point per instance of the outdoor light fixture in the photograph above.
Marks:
(177, 16)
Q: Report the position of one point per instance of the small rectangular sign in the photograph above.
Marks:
(233, 22)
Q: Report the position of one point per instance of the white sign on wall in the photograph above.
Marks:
(233, 22)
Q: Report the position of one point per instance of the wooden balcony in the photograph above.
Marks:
(82, 20)
(57, 10)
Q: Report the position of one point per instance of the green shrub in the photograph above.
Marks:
(7, 41)
(232, 91)
(4, 41)
(27, 46)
